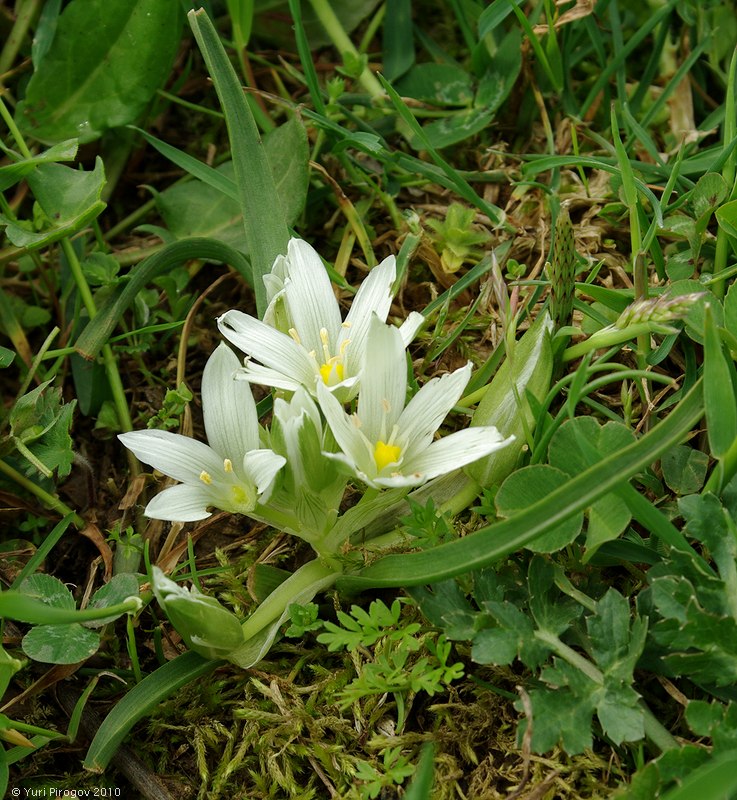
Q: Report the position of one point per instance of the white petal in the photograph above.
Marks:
(265, 376)
(410, 326)
(182, 503)
(179, 457)
(231, 422)
(374, 296)
(454, 451)
(383, 381)
(352, 442)
(426, 411)
(311, 302)
(261, 466)
(270, 347)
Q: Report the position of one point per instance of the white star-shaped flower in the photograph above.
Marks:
(231, 473)
(386, 444)
(303, 340)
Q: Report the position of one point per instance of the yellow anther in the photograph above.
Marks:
(346, 324)
(332, 372)
(205, 477)
(293, 333)
(228, 465)
(385, 454)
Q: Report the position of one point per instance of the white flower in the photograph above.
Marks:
(232, 473)
(302, 340)
(387, 445)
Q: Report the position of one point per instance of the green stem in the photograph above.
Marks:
(47, 499)
(111, 365)
(340, 39)
(26, 12)
(314, 573)
(14, 132)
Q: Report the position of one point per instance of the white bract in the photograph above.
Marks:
(231, 473)
(386, 444)
(303, 340)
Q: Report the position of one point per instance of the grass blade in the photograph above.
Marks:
(266, 229)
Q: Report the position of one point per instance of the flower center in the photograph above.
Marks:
(332, 369)
(385, 454)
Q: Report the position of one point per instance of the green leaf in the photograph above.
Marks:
(49, 590)
(141, 702)
(439, 84)
(69, 200)
(684, 469)
(719, 391)
(115, 591)
(563, 715)
(709, 192)
(528, 486)
(10, 174)
(60, 644)
(198, 209)
(727, 217)
(493, 542)
(527, 368)
(267, 233)
(106, 61)
(6, 357)
(39, 427)
(710, 523)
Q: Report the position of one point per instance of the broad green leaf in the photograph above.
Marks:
(529, 485)
(528, 368)
(115, 591)
(684, 469)
(195, 208)
(10, 174)
(397, 42)
(572, 450)
(727, 217)
(6, 357)
(719, 391)
(439, 84)
(49, 590)
(709, 192)
(454, 128)
(106, 61)
(68, 200)
(564, 715)
(60, 644)
(287, 151)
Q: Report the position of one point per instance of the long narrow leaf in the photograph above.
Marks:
(98, 331)
(142, 701)
(266, 228)
(493, 542)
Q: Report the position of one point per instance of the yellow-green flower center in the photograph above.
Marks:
(385, 454)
